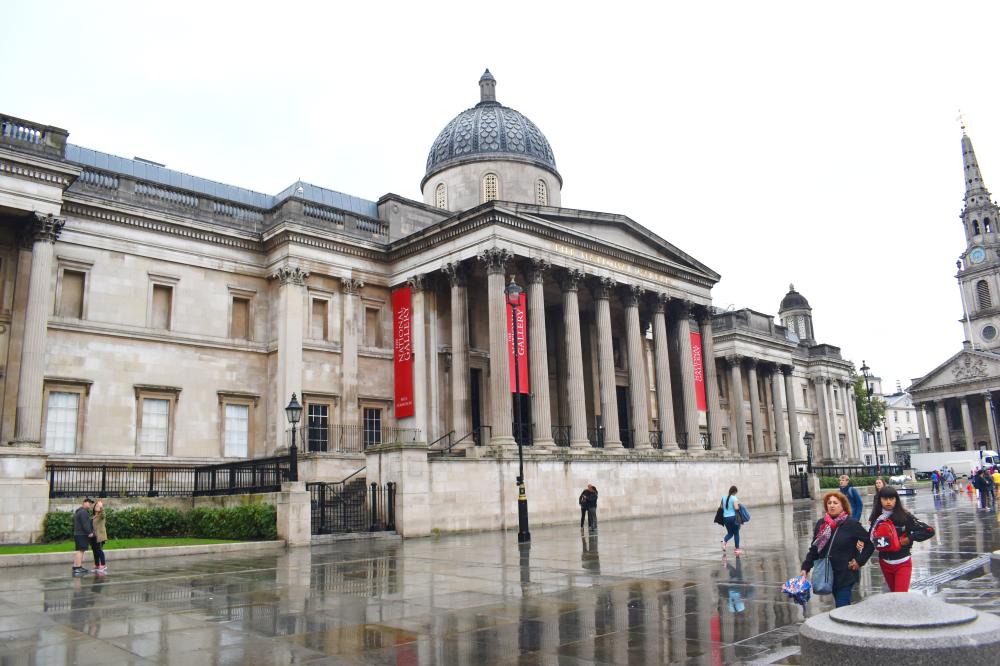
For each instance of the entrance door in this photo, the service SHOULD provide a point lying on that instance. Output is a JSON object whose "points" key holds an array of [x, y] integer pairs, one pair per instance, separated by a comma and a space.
{"points": [[624, 425], [475, 379]]}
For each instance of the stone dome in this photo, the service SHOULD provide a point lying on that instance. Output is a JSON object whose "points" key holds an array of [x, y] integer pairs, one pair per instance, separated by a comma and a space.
{"points": [[490, 131], [793, 300]]}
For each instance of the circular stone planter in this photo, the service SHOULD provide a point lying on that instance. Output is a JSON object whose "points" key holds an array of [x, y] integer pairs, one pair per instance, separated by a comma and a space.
{"points": [[901, 627]]}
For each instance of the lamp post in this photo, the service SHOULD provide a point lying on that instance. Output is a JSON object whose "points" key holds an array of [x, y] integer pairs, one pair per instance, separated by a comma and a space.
{"points": [[866, 373], [807, 439], [514, 292], [294, 412]]}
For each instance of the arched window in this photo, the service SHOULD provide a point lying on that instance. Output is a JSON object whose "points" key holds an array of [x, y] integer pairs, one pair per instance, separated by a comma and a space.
{"points": [[541, 193], [441, 196], [983, 295], [987, 227], [975, 227], [491, 187]]}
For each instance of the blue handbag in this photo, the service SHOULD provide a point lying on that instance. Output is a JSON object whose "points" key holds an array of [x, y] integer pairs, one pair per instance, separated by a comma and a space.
{"points": [[822, 573], [744, 514]]}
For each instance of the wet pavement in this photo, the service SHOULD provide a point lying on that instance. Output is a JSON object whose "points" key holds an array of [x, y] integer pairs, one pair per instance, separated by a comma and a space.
{"points": [[638, 592]]}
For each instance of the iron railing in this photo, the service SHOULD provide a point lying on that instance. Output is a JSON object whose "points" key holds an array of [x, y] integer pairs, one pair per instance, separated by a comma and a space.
{"points": [[347, 438], [352, 505], [260, 475], [656, 439], [800, 485], [682, 440], [596, 437], [560, 435], [857, 470]]}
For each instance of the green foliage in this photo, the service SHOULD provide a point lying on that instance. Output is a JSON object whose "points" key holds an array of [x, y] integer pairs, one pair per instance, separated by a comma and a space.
{"points": [[245, 522], [868, 418], [832, 482]]}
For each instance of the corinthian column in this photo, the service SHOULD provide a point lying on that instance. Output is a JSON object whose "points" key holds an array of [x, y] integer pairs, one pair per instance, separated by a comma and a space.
{"points": [[460, 415], [970, 440], [291, 304], [538, 356], [43, 234], [736, 405], [918, 413], [711, 381], [664, 390], [798, 448], [932, 430], [781, 440], [606, 364], [944, 436], [637, 383], [683, 327], [574, 362], [823, 413], [988, 406], [501, 404], [758, 427]]}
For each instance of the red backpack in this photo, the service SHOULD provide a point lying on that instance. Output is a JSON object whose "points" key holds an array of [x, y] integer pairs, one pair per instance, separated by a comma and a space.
{"points": [[885, 538]]}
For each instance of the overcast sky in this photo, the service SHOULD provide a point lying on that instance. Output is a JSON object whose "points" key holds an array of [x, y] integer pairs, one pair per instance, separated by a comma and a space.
{"points": [[813, 143]]}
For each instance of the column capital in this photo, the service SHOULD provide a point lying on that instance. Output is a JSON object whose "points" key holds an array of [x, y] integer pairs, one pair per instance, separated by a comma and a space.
{"points": [[417, 283], [456, 272], [539, 267], [681, 308], [751, 361], [571, 279], [603, 288], [786, 369], [733, 359], [289, 274], [351, 286], [495, 259], [703, 313], [633, 295], [660, 303], [44, 228]]}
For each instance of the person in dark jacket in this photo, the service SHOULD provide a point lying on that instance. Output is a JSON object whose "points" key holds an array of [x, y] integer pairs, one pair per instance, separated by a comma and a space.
{"points": [[83, 531], [853, 497], [588, 507], [896, 563], [842, 539]]}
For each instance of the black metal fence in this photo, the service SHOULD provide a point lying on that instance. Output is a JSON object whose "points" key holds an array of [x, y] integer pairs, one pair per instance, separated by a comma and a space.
{"points": [[352, 506], [260, 475], [560, 435], [347, 438], [800, 485], [857, 470]]}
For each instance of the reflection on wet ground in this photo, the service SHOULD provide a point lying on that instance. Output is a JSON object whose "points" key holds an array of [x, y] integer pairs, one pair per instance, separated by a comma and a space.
{"points": [[638, 592]]}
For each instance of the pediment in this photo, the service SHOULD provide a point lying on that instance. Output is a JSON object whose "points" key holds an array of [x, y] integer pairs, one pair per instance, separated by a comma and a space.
{"points": [[965, 367]]}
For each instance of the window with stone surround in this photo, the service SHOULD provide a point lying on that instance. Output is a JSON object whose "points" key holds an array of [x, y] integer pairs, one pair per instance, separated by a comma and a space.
{"points": [[160, 310], [491, 187], [373, 326], [441, 196], [236, 420], [319, 317], [71, 288], [319, 411], [241, 313], [372, 425], [64, 403], [155, 412], [983, 296], [541, 193]]}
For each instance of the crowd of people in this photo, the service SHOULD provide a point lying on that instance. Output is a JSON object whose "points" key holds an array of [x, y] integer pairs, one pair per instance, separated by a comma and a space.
{"points": [[89, 532], [983, 481]]}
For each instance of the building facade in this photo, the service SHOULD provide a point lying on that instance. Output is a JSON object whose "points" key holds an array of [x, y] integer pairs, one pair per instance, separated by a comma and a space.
{"points": [[153, 315], [959, 397]]}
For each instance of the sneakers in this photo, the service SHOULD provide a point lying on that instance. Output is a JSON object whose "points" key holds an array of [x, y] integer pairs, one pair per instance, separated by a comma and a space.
{"points": [[724, 544], [101, 569], [79, 571], [739, 551]]}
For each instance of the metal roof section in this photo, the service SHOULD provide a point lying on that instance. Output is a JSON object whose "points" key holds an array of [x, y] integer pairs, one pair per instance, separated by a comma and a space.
{"points": [[145, 170]]}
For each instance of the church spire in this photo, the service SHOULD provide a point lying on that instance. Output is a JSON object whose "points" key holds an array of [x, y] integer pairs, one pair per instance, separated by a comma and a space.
{"points": [[974, 186]]}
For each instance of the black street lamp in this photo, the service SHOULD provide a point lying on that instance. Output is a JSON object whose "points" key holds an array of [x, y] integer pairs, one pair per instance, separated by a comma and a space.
{"points": [[514, 292], [866, 373], [807, 439], [294, 412]]}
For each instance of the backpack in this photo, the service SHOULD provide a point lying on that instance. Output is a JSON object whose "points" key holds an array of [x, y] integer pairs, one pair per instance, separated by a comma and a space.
{"points": [[583, 498], [920, 531], [885, 538]]}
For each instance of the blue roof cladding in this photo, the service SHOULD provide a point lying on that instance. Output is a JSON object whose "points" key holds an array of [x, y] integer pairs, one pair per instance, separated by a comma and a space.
{"points": [[157, 174]]}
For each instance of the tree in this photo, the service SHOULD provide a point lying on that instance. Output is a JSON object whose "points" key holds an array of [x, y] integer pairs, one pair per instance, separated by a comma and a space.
{"points": [[868, 420]]}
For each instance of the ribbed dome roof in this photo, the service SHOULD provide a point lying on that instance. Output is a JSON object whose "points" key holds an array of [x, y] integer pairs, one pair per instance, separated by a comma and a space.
{"points": [[793, 300], [490, 130]]}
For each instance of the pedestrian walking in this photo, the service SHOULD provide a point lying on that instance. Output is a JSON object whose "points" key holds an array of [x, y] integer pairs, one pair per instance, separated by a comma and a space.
{"points": [[893, 532], [83, 530], [987, 489], [879, 485], [844, 541], [935, 481], [853, 496], [731, 520], [588, 507], [949, 478], [100, 537]]}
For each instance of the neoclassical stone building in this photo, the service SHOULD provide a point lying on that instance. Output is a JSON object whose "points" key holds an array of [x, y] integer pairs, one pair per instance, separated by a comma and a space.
{"points": [[148, 314], [959, 397]]}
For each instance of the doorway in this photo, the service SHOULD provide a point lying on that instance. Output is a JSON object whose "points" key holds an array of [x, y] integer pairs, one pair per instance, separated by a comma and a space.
{"points": [[624, 425], [475, 382]]}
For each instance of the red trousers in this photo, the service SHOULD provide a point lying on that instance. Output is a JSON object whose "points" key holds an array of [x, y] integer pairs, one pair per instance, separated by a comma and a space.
{"points": [[897, 576]]}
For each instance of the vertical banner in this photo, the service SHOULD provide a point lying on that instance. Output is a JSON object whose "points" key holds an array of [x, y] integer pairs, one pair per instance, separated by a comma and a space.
{"points": [[699, 371], [522, 342], [402, 351]]}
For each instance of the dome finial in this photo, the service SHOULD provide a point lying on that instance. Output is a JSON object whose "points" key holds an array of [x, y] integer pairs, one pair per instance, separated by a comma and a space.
{"points": [[791, 287], [487, 87]]}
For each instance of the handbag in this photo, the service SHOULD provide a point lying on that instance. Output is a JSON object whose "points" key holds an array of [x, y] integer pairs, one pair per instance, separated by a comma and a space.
{"points": [[822, 579], [718, 515]]}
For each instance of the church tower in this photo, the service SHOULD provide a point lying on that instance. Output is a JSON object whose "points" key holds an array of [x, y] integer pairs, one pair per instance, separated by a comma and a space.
{"points": [[979, 268]]}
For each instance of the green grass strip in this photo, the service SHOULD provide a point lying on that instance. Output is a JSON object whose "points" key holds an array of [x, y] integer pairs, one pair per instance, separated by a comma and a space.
{"points": [[114, 544]]}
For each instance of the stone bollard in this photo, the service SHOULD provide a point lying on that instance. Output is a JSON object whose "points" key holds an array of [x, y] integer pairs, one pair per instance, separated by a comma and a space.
{"points": [[900, 628], [995, 563], [294, 514]]}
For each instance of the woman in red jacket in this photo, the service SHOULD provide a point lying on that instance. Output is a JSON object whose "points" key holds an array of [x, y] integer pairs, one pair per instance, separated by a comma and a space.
{"points": [[893, 531]]}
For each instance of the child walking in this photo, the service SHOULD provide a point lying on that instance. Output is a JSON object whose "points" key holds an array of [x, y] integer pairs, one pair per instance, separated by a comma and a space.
{"points": [[893, 531], [100, 538]]}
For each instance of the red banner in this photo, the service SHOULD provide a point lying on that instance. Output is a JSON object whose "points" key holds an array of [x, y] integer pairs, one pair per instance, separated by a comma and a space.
{"points": [[699, 371], [402, 351], [522, 343]]}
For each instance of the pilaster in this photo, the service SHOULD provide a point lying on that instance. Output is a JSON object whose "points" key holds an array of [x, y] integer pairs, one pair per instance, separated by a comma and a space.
{"points": [[291, 282], [349, 356]]}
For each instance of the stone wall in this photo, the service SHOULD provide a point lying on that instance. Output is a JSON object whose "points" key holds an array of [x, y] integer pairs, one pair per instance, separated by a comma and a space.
{"points": [[179, 503], [467, 494], [24, 494]]}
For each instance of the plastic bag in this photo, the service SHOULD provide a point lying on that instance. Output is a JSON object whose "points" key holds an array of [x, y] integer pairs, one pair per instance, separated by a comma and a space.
{"points": [[798, 588]]}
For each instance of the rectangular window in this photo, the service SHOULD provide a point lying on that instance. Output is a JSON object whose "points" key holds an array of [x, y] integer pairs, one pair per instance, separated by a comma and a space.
{"points": [[320, 319], [154, 429], [318, 427], [836, 399], [71, 294], [907, 417], [237, 431], [373, 327], [61, 421], [372, 426], [805, 397], [239, 322], [160, 314], [868, 460], [895, 416]]}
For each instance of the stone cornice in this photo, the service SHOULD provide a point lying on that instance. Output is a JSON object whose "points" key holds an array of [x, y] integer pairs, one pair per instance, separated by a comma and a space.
{"points": [[282, 235], [38, 168], [155, 335]]}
